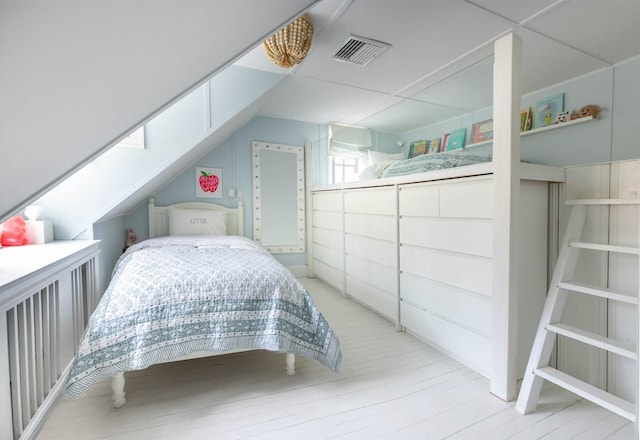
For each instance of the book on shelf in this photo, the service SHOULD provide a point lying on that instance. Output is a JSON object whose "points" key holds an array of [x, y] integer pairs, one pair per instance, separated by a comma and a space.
{"points": [[547, 109], [526, 117], [433, 145], [481, 131], [455, 139], [417, 148]]}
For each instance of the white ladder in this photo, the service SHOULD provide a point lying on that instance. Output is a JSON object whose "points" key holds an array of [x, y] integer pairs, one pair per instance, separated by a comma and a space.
{"points": [[538, 368]]}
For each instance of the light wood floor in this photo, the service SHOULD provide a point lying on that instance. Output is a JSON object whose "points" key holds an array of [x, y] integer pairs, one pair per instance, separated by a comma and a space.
{"points": [[391, 386]]}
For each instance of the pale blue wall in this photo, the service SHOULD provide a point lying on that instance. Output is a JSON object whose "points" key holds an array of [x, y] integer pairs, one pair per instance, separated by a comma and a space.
{"points": [[233, 156], [612, 137]]}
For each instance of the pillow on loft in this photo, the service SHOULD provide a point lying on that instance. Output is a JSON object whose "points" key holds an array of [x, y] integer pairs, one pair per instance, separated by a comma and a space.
{"points": [[183, 221], [378, 157]]}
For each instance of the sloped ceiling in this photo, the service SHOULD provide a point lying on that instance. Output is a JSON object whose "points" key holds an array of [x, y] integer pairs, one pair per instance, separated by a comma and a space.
{"points": [[76, 75], [434, 44]]}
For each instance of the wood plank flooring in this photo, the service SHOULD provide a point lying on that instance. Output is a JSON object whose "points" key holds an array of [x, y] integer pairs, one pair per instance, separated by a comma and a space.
{"points": [[391, 386]]}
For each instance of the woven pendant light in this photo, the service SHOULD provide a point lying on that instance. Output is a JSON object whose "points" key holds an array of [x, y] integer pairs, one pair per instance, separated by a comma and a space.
{"points": [[290, 45]]}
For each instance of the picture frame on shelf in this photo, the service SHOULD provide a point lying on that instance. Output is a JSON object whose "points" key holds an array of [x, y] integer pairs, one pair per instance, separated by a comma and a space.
{"points": [[417, 148], [455, 139], [547, 109], [481, 131], [525, 119], [433, 146], [443, 145]]}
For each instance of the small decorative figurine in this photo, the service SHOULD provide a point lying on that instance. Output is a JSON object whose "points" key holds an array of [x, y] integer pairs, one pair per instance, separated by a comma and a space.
{"points": [[588, 110], [131, 239]]}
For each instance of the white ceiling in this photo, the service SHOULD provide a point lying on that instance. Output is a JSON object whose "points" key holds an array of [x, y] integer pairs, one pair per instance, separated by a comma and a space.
{"points": [[441, 50]]}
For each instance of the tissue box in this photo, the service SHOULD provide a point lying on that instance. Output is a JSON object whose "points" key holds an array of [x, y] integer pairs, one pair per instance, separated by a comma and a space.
{"points": [[38, 231]]}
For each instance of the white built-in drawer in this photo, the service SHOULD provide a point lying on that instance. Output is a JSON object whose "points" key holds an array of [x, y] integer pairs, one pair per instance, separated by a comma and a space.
{"points": [[371, 201], [458, 270], [328, 238], [376, 226], [469, 199], [474, 237], [379, 300], [327, 201], [328, 220], [379, 275], [328, 256], [462, 307], [419, 200], [379, 251], [329, 274], [470, 348]]}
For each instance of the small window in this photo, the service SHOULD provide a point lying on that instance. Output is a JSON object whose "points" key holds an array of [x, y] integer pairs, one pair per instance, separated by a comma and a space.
{"points": [[344, 169]]}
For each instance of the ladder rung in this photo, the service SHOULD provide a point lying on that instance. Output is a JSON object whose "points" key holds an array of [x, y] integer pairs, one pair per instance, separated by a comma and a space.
{"points": [[629, 201], [594, 394], [605, 247], [598, 291], [593, 339]]}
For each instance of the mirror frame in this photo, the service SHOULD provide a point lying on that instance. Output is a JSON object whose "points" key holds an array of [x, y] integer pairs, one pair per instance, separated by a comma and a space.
{"points": [[297, 245]]}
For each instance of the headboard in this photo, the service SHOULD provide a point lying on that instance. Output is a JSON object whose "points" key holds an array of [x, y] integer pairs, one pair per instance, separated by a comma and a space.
{"points": [[159, 218]]}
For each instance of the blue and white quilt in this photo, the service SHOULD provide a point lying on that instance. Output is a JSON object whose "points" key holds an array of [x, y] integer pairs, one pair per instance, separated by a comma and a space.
{"points": [[173, 296]]}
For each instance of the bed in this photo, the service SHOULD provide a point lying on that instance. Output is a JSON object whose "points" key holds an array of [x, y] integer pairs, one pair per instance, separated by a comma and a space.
{"points": [[390, 165], [197, 288]]}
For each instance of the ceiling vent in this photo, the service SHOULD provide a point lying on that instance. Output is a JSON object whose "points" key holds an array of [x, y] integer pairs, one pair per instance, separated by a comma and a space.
{"points": [[360, 51]]}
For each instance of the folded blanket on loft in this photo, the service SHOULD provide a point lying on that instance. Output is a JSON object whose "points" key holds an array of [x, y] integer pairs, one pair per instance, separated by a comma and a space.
{"points": [[173, 296], [430, 162]]}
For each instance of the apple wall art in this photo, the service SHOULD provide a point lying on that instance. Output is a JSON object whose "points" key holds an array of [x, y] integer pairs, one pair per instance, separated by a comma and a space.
{"points": [[209, 182]]}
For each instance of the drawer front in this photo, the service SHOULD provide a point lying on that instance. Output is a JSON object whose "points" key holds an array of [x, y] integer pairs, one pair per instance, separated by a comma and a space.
{"points": [[378, 275], [329, 274], [419, 201], [473, 237], [328, 238], [378, 251], [376, 299], [470, 348], [370, 201], [472, 199], [464, 308], [328, 256], [328, 220], [327, 201], [463, 271], [382, 227]]}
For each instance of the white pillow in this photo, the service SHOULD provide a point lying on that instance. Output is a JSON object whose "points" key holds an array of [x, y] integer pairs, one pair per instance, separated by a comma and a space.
{"points": [[378, 157], [197, 222]]}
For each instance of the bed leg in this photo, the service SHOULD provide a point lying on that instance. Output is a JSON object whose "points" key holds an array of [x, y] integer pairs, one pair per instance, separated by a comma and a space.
{"points": [[117, 386], [291, 364]]}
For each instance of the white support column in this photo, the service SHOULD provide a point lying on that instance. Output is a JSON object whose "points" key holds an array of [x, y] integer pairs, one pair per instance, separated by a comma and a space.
{"points": [[506, 162]]}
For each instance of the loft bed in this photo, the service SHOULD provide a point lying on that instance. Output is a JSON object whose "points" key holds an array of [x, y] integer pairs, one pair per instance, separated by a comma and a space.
{"points": [[423, 230], [197, 288]]}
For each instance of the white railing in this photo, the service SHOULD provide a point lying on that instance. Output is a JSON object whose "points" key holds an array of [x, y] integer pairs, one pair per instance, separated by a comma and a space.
{"points": [[47, 293]]}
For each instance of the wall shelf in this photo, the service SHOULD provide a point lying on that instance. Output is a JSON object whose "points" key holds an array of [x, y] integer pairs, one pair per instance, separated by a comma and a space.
{"points": [[539, 130]]}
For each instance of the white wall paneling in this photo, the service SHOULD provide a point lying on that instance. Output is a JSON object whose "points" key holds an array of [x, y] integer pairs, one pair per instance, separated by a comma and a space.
{"points": [[616, 224]]}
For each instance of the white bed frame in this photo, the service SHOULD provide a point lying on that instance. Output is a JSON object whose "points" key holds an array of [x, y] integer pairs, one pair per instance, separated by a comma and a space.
{"points": [[159, 227]]}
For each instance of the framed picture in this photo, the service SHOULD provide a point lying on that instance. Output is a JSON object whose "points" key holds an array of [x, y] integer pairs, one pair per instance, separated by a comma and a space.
{"points": [[547, 109], [417, 148], [433, 146], [455, 139], [481, 131], [209, 182]]}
